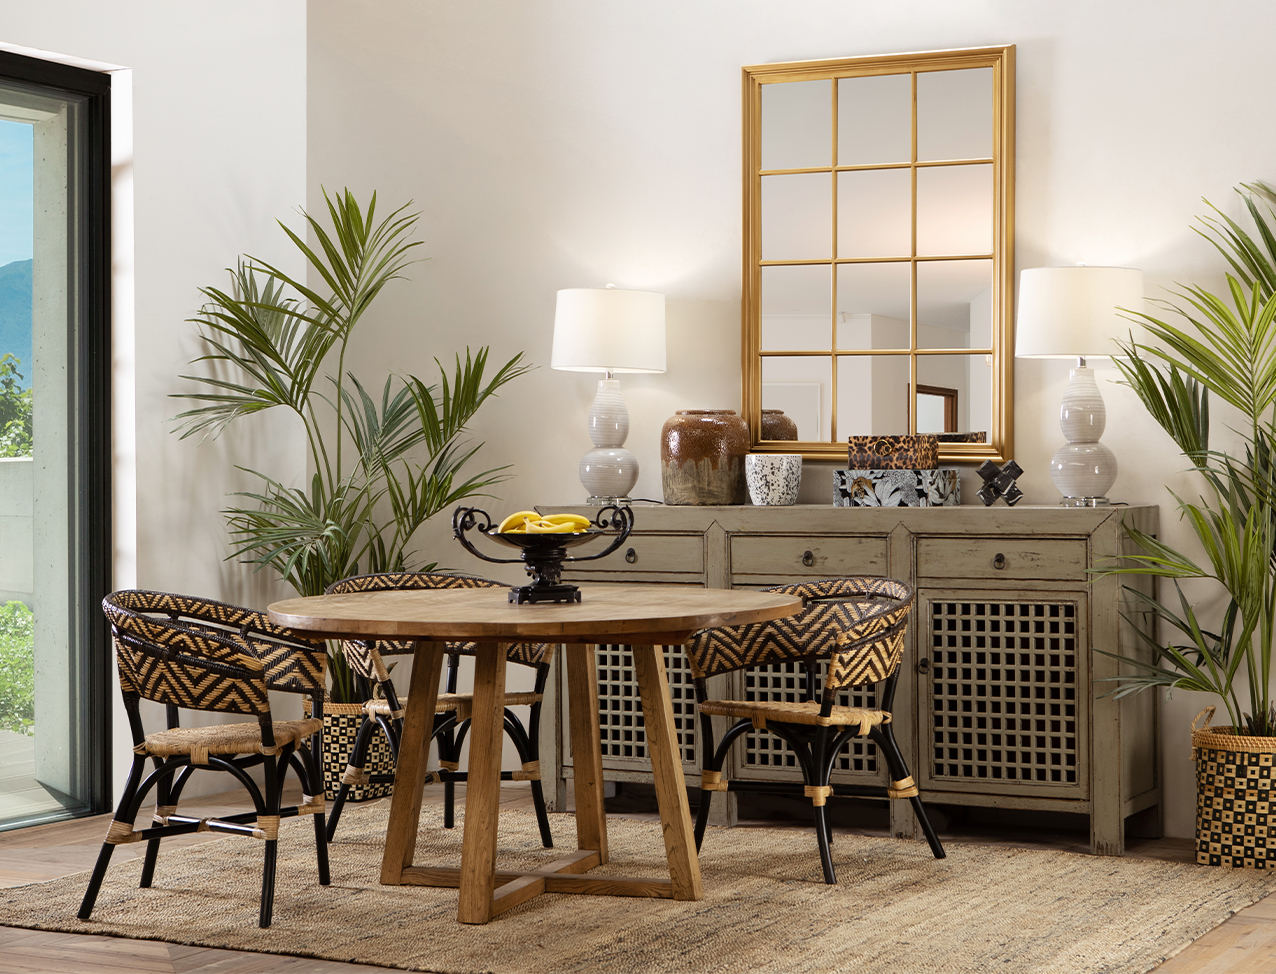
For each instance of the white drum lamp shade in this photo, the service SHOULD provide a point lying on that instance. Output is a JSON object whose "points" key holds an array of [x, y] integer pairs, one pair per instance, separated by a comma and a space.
{"points": [[1072, 312], [609, 330]]}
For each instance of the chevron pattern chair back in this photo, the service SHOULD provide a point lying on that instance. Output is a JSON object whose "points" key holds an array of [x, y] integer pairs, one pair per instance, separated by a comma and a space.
{"points": [[206, 655], [858, 623]]}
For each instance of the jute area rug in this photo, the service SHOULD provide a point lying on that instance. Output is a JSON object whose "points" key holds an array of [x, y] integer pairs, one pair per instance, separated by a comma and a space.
{"points": [[896, 909]]}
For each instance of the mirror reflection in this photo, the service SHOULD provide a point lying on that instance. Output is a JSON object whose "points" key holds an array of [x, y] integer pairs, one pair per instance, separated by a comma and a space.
{"points": [[796, 299], [954, 114], [872, 394], [954, 210], [872, 305], [874, 213], [797, 125], [954, 304], [961, 384], [797, 216], [874, 119], [802, 387]]}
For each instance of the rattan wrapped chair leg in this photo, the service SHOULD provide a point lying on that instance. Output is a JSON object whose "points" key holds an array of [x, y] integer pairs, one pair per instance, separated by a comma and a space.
{"points": [[856, 628], [384, 708], [196, 654]]}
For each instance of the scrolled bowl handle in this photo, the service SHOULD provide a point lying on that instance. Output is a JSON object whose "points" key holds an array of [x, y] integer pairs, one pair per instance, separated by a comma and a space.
{"points": [[475, 519], [621, 518]]}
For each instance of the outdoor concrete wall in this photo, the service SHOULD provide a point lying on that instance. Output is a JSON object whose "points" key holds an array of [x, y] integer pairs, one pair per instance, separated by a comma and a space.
{"points": [[15, 529]]}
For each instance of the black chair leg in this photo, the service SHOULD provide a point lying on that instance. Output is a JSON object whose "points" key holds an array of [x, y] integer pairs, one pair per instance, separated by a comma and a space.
{"points": [[304, 764], [542, 815], [272, 845], [447, 754], [359, 760], [884, 737], [104, 857], [526, 753], [162, 799], [822, 832]]}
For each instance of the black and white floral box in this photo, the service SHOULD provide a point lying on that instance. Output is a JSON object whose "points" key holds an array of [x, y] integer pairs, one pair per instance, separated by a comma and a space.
{"points": [[896, 488]]}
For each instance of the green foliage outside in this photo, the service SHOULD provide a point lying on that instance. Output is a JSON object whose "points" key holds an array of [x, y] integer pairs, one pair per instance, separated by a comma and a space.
{"points": [[15, 410], [386, 457], [17, 668], [1222, 346]]}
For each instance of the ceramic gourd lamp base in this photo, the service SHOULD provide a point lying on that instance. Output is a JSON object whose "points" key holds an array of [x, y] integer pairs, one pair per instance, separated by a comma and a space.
{"points": [[702, 455], [608, 471], [1083, 468]]}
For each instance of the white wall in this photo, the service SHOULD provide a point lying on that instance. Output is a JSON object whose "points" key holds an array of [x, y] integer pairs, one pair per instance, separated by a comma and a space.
{"points": [[219, 152], [569, 144]]}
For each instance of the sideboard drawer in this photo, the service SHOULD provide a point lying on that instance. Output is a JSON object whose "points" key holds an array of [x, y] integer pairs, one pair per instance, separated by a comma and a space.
{"points": [[822, 556], [662, 553], [1017, 558]]}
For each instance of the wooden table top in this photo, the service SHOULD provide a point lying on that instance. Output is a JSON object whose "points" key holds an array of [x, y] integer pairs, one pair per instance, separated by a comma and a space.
{"points": [[649, 611]]}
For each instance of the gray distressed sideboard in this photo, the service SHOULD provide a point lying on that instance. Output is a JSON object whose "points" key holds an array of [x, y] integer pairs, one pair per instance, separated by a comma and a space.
{"points": [[1002, 699]]}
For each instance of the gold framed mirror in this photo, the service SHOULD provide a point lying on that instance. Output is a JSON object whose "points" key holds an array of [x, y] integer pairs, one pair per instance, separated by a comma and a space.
{"points": [[879, 250]]}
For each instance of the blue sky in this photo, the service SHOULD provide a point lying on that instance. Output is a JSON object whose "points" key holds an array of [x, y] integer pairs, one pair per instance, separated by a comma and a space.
{"points": [[16, 156]]}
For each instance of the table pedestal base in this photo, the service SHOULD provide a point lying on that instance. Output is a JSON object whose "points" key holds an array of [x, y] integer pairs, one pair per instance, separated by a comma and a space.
{"points": [[485, 890], [560, 876]]}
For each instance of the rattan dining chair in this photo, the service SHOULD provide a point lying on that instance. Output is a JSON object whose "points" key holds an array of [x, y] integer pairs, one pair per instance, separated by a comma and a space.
{"points": [[196, 654], [855, 628], [383, 708]]}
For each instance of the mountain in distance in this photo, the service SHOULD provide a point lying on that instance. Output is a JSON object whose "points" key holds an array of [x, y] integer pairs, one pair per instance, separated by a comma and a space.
{"points": [[15, 314]]}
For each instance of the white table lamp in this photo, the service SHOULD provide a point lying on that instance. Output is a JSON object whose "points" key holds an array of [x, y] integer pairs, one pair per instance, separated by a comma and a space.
{"points": [[609, 330], [1071, 312]]}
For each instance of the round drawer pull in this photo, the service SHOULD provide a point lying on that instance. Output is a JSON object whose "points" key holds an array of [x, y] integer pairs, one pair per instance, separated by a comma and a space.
{"points": [[631, 556], [808, 559], [999, 561], [923, 666]]}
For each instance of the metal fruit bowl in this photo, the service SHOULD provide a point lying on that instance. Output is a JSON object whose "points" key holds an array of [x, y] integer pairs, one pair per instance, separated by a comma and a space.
{"points": [[544, 554], [543, 542]]}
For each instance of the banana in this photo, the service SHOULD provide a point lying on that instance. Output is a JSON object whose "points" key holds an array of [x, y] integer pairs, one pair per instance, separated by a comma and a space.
{"points": [[579, 523], [531, 522], [545, 527], [515, 522]]}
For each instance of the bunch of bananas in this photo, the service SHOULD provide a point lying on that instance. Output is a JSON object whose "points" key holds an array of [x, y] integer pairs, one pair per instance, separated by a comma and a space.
{"points": [[532, 522]]}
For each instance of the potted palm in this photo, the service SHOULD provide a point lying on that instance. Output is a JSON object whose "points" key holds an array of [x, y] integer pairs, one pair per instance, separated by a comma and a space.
{"points": [[1226, 351], [384, 462]]}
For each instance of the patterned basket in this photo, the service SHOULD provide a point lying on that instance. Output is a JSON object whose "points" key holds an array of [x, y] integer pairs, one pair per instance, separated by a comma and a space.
{"points": [[1233, 797], [340, 727]]}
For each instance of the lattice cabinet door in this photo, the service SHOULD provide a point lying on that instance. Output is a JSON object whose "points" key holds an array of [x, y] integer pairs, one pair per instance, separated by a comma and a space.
{"points": [[620, 721], [1003, 692], [760, 755]]}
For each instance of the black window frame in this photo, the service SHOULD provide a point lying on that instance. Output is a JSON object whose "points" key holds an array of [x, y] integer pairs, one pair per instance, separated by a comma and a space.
{"points": [[90, 387]]}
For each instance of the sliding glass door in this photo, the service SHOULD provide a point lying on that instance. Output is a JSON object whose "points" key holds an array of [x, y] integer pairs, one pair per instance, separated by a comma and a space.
{"points": [[55, 659]]}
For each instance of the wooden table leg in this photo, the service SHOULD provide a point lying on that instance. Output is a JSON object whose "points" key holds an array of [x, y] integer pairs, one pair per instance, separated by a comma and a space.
{"points": [[587, 759], [409, 774], [483, 786], [666, 768]]}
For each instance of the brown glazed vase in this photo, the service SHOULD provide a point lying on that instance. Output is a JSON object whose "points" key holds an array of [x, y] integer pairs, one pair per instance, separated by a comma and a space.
{"points": [[702, 455], [777, 426]]}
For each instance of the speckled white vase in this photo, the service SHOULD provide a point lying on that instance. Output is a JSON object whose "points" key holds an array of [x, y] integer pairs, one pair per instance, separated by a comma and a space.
{"points": [[773, 478]]}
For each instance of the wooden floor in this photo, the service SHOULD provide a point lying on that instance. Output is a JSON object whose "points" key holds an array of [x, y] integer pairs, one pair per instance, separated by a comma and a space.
{"points": [[1245, 944]]}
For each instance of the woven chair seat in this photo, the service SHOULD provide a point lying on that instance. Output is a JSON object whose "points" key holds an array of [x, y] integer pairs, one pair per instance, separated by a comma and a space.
{"points": [[198, 742], [760, 711]]}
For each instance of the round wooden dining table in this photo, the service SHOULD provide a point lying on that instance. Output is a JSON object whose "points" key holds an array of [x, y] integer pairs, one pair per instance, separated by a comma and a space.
{"points": [[646, 617]]}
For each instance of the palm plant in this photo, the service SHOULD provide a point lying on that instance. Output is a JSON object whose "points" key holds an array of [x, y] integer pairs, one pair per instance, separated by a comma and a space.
{"points": [[1230, 353], [382, 465]]}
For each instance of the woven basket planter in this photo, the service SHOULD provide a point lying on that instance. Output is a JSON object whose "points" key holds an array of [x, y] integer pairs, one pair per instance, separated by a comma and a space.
{"points": [[1235, 818], [340, 726]]}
